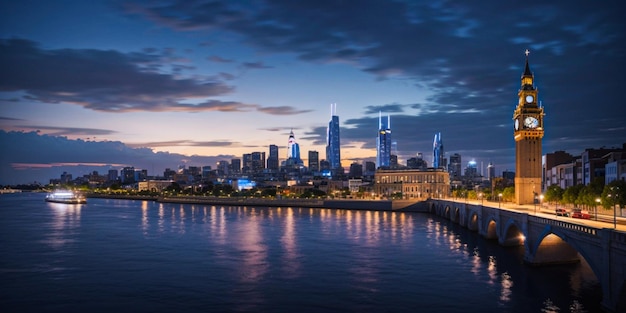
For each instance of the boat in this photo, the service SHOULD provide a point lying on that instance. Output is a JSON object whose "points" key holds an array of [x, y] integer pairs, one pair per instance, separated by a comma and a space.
{"points": [[65, 196]]}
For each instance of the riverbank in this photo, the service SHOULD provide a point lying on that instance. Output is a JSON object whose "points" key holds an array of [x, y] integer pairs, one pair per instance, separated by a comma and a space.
{"points": [[348, 204]]}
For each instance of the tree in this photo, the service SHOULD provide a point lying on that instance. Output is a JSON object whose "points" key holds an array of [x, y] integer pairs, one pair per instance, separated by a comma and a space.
{"points": [[508, 194], [614, 194], [570, 195], [554, 194]]}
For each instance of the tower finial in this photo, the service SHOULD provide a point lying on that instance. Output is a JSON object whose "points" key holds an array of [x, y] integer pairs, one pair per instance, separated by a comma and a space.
{"points": [[527, 52]]}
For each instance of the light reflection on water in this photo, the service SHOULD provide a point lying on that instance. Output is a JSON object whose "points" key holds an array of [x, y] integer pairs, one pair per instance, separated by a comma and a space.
{"points": [[279, 259]]}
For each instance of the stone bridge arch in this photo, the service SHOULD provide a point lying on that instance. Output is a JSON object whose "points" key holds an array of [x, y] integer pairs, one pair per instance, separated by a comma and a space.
{"points": [[555, 242], [491, 228], [473, 221], [513, 234]]}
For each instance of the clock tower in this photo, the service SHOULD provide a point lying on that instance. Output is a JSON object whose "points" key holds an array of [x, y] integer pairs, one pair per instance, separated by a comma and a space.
{"points": [[528, 132]]}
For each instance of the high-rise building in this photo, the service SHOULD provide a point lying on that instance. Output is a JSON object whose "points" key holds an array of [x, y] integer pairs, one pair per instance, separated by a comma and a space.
{"points": [[128, 175], [528, 133], [223, 167], [417, 162], [314, 161], [491, 171], [471, 171], [333, 150], [356, 170], [455, 167], [293, 148], [235, 166], [272, 160], [258, 161], [112, 175], [383, 142], [438, 155]]}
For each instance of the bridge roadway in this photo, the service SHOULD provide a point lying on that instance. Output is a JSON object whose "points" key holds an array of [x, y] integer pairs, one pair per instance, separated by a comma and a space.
{"points": [[549, 239]]}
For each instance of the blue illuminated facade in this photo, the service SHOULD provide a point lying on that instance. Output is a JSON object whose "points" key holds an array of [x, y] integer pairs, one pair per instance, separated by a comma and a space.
{"points": [[383, 142], [438, 157], [333, 151]]}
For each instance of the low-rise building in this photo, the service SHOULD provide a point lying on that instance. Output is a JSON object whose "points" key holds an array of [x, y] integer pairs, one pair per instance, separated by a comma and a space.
{"points": [[412, 183]]}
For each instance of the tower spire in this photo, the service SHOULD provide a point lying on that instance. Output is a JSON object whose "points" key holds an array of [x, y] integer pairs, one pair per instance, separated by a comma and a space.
{"points": [[527, 71]]}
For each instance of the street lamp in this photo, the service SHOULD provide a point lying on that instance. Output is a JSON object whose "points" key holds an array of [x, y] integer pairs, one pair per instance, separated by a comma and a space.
{"points": [[614, 193], [499, 199], [597, 203]]}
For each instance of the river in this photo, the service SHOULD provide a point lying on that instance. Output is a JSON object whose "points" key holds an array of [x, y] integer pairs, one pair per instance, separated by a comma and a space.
{"points": [[142, 256]]}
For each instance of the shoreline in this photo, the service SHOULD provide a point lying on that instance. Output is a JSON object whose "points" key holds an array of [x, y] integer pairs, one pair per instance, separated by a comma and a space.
{"points": [[347, 204]]}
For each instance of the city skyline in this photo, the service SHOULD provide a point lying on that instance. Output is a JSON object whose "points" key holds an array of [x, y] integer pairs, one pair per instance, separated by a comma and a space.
{"points": [[156, 86]]}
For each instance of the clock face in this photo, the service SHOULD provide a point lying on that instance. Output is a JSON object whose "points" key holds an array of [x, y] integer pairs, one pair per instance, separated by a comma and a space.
{"points": [[516, 124], [529, 99], [531, 122]]}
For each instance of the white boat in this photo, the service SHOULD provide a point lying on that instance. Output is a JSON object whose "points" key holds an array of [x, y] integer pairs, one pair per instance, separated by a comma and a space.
{"points": [[65, 196]]}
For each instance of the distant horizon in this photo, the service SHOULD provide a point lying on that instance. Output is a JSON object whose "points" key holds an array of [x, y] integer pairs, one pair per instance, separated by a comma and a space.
{"points": [[86, 168]]}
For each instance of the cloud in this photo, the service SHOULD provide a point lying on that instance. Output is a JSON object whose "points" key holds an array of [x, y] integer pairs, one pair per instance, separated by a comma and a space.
{"points": [[282, 110], [255, 65], [187, 143], [100, 80], [36, 157], [385, 108], [66, 131], [218, 59]]}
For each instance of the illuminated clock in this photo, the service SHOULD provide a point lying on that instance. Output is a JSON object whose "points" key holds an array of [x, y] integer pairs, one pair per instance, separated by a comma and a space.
{"points": [[529, 99], [531, 122], [516, 124]]}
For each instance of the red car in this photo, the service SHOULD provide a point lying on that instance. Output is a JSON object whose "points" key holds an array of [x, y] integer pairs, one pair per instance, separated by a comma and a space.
{"points": [[578, 213], [562, 212]]}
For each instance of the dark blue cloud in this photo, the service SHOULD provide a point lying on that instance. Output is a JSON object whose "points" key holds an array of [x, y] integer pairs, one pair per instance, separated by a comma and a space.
{"points": [[46, 157]]}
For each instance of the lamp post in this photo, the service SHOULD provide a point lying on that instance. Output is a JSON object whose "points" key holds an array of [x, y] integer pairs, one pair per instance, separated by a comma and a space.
{"points": [[499, 200], [596, 210], [540, 203], [481, 199], [614, 193]]}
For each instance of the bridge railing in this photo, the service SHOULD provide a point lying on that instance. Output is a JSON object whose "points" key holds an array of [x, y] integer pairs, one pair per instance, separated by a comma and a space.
{"points": [[563, 224]]}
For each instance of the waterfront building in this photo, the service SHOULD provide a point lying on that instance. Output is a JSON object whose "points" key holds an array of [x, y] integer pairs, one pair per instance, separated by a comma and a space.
{"points": [[438, 154], [412, 183], [154, 185], [314, 161], [333, 148], [528, 134], [383, 142]]}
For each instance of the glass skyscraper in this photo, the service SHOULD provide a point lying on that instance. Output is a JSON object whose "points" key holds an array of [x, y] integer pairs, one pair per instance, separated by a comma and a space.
{"points": [[383, 142], [438, 151], [333, 151]]}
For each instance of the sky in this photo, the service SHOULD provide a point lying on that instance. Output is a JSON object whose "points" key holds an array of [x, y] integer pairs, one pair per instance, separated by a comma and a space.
{"points": [[98, 85]]}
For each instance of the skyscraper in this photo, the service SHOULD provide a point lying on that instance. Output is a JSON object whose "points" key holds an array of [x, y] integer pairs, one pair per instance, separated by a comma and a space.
{"points": [[293, 148], [383, 142], [314, 161], [438, 159], [455, 167], [333, 151], [272, 160]]}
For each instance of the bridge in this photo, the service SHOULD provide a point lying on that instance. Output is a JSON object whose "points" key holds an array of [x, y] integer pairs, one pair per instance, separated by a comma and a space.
{"points": [[548, 241]]}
